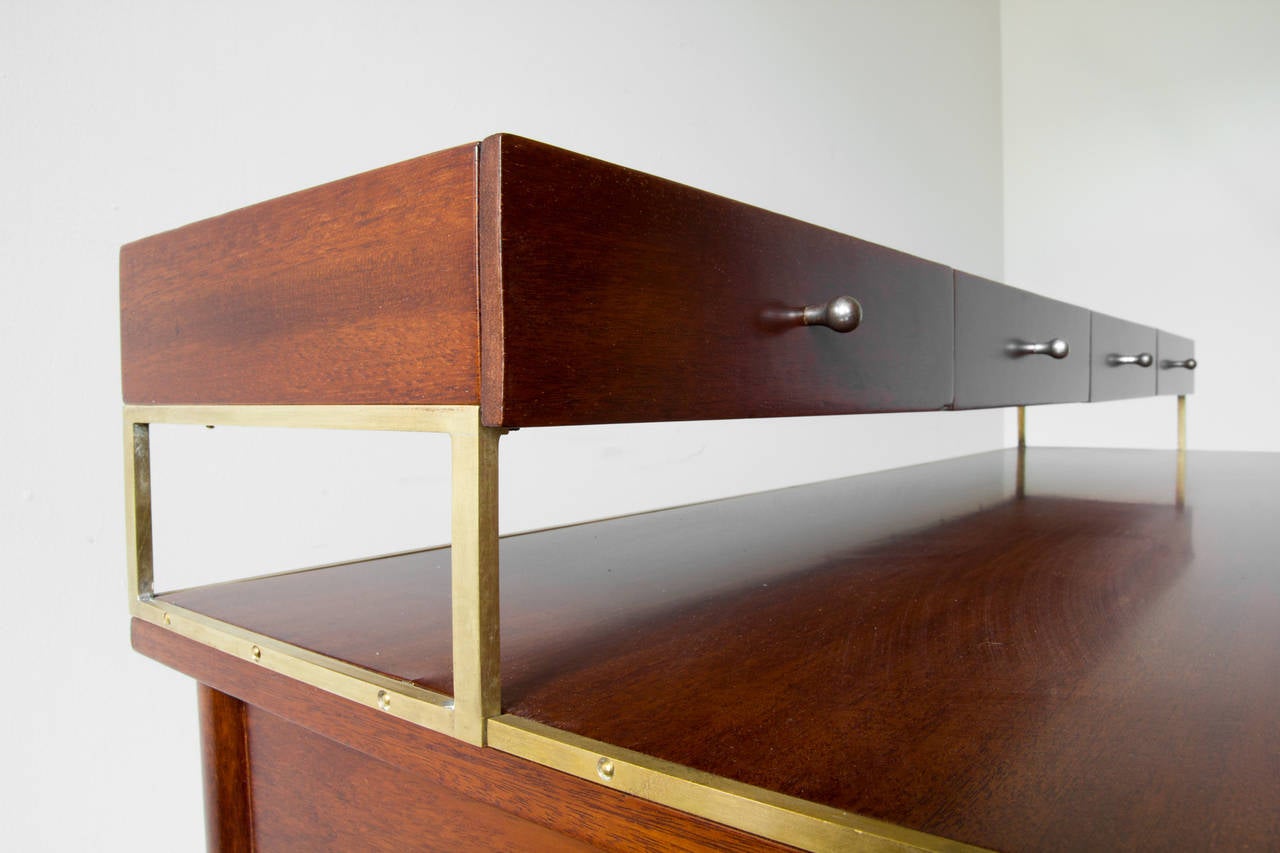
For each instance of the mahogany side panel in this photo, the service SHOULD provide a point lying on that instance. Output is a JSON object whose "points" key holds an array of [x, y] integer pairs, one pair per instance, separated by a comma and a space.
{"points": [[359, 291], [582, 811], [224, 751], [311, 793], [615, 296]]}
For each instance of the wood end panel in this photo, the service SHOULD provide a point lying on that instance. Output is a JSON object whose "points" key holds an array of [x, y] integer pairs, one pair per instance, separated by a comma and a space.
{"points": [[360, 291]]}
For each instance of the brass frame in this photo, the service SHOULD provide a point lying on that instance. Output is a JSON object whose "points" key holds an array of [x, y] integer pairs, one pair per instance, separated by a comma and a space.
{"points": [[473, 714], [474, 568]]}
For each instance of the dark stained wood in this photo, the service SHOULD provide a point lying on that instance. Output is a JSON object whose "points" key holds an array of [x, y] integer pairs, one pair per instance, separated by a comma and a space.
{"points": [[580, 811], [625, 297], [224, 751], [1174, 380], [989, 318], [1112, 337], [1054, 672], [359, 291], [312, 793]]}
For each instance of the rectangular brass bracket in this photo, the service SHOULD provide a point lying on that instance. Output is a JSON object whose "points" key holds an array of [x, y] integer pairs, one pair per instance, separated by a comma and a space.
{"points": [[474, 585]]}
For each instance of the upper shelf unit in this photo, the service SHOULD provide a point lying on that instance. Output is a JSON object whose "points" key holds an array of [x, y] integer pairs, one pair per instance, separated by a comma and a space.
{"points": [[551, 288]]}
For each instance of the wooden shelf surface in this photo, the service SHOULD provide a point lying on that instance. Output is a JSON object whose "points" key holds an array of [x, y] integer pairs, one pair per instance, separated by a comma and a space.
{"points": [[1087, 666]]}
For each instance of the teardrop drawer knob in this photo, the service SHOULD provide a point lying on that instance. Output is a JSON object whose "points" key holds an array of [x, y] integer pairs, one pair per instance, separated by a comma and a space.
{"points": [[1055, 348], [1142, 359], [842, 314]]}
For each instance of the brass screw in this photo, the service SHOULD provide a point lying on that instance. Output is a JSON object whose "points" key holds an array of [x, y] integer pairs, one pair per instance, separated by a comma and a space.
{"points": [[256, 652], [604, 769], [167, 620], [384, 700]]}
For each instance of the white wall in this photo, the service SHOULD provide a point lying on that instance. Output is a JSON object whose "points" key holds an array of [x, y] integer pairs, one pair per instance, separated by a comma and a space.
{"points": [[1142, 178], [120, 120]]}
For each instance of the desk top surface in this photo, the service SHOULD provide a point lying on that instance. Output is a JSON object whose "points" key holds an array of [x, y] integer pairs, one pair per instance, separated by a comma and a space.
{"points": [[1087, 666]]}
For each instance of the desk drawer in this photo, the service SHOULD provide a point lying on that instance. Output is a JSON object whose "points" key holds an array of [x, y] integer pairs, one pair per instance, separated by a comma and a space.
{"points": [[609, 295], [1123, 360], [1175, 364], [993, 324]]}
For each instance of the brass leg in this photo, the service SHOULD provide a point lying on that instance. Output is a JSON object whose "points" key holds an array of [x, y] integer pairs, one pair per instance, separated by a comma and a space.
{"points": [[1020, 488], [137, 483], [477, 685], [1181, 487]]}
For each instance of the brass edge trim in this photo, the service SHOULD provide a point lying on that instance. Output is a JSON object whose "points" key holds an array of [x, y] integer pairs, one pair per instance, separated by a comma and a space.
{"points": [[790, 820], [402, 699], [451, 419]]}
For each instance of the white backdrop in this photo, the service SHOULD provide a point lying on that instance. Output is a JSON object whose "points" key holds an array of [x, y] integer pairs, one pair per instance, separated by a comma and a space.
{"points": [[1142, 180], [120, 120]]}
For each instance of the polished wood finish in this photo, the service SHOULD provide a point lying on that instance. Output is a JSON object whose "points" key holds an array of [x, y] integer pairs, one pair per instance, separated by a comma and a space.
{"points": [[1087, 667], [224, 753], [616, 296], [312, 793], [477, 782], [1112, 337], [991, 317], [1174, 380], [359, 291], [552, 288]]}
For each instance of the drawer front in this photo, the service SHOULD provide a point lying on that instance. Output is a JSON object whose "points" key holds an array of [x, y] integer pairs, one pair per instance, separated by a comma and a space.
{"points": [[1175, 360], [1123, 359], [993, 323], [613, 296]]}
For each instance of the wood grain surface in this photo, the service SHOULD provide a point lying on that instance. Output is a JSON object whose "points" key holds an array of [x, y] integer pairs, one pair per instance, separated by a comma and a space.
{"points": [[359, 291], [1110, 337], [612, 295], [991, 317], [1055, 672], [224, 757], [581, 812]]}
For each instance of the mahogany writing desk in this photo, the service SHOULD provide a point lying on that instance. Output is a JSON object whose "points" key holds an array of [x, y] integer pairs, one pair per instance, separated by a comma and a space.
{"points": [[1020, 650]]}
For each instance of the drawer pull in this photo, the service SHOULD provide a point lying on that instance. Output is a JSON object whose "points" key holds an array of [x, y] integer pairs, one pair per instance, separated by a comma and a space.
{"points": [[1188, 363], [1056, 348], [843, 314], [1142, 359]]}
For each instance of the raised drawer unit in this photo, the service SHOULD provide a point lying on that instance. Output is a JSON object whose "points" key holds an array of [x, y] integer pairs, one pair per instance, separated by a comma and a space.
{"points": [[1175, 364], [1123, 361], [861, 664], [1017, 348]]}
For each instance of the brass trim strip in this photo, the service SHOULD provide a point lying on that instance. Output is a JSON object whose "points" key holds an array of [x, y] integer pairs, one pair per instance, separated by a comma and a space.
{"points": [[377, 418], [394, 696], [474, 584], [790, 820]]}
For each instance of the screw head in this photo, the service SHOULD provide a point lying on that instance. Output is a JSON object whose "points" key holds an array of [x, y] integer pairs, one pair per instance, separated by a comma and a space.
{"points": [[384, 700], [604, 769], [256, 653], [167, 620]]}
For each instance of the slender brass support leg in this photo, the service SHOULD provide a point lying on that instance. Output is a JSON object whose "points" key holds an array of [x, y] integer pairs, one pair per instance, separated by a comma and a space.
{"points": [[1182, 422], [137, 479], [477, 687], [1022, 426], [1181, 488]]}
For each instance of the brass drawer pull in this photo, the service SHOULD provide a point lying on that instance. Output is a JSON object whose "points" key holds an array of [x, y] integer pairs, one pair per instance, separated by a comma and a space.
{"points": [[843, 314], [1056, 348], [1142, 359], [1188, 363]]}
